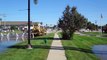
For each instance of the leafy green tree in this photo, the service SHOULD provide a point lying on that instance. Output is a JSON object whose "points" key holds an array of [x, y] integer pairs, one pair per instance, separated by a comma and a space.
{"points": [[70, 22], [91, 26], [13, 27], [105, 28]]}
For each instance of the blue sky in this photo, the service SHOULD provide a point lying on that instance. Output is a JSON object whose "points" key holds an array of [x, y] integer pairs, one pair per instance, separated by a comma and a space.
{"points": [[49, 11]]}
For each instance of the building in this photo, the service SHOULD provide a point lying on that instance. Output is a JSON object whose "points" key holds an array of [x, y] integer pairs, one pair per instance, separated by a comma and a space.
{"points": [[19, 24], [14, 23]]}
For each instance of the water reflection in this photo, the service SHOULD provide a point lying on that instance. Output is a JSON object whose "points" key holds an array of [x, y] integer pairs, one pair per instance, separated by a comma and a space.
{"points": [[1, 36], [100, 51], [5, 44], [13, 36], [9, 39]]}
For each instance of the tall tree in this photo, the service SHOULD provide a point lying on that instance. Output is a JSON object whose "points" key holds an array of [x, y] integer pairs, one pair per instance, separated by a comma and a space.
{"points": [[91, 26], [70, 22], [13, 27], [105, 28]]}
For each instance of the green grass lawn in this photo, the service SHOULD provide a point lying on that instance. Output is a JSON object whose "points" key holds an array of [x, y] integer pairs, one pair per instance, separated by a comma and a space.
{"points": [[80, 48], [93, 33], [18, 31], [20, 52], [96, 33]]}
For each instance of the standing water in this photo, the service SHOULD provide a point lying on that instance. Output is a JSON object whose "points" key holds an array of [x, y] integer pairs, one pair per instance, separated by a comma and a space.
{"points": [[10, 39], [100, 51], [5, 44]]}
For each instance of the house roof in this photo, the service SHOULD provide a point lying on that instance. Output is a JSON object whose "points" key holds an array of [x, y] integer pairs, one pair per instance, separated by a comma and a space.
{"points": [[18, 23]]}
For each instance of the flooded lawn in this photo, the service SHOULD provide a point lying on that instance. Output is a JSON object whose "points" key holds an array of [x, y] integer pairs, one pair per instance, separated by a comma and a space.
{"points": [[9, 39], [100, 51], [5, 44]]}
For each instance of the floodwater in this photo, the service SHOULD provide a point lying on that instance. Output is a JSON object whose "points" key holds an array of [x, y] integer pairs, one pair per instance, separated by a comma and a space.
{"points": [[5, 44], [7, 40], [100, 51]]}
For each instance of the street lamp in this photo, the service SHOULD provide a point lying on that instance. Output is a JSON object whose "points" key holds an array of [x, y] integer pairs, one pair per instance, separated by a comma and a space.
{"points": [[29, 23], [29, 43]]}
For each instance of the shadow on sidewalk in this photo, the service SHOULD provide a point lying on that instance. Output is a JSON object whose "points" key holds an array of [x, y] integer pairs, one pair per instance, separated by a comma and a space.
{"points": [[53, 48]]}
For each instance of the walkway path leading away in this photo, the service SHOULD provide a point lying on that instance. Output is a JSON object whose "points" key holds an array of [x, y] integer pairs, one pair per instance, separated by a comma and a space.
{"points": [[57, 51]]}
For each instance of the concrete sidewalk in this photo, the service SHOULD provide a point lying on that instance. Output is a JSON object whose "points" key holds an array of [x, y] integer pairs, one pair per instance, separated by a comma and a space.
{"points": [[56, 52]]}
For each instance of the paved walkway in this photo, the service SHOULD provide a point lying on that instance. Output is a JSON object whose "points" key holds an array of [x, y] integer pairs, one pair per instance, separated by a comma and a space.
{"points": [[56, 52]]}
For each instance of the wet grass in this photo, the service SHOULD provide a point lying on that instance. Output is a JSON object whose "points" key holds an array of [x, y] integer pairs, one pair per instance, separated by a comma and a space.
{"points": [[20, 52]]}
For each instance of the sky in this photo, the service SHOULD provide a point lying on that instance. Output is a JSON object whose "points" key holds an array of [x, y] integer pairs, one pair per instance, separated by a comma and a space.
{"points": [[49, 11]]}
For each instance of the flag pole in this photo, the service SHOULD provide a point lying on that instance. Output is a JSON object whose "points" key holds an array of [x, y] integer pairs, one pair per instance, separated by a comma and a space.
{"points": [[96, 24], [101, 25]]}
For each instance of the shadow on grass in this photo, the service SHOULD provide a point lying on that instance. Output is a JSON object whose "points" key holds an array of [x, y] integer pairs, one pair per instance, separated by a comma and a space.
{"points": [[47, 38], [53, 48]]}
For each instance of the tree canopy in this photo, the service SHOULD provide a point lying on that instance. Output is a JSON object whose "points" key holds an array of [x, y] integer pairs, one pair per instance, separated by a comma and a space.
{"points": [[71, 21]]}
